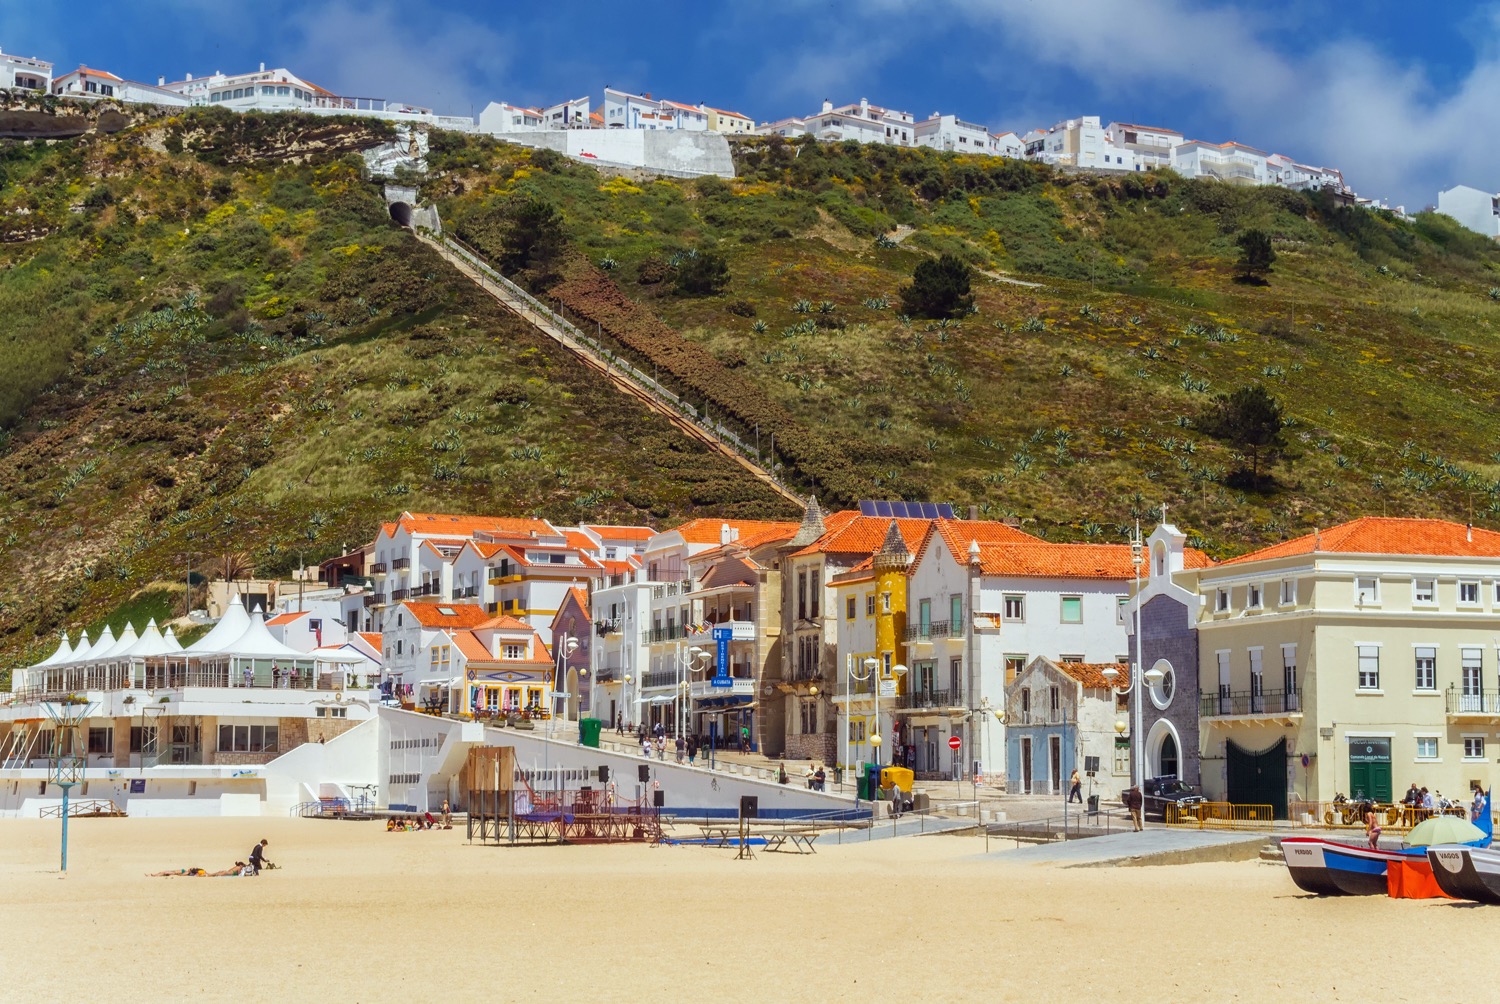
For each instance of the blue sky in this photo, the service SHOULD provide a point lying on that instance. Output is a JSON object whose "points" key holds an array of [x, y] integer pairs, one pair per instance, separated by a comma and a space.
{"points": [[1403, 97]]}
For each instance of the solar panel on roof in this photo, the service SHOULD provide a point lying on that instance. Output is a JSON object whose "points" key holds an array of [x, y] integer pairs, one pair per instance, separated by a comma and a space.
{"points": [[906, 510]]}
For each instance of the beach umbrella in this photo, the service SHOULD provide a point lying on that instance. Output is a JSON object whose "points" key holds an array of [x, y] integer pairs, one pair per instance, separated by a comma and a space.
{"points": [[1443, 830]]}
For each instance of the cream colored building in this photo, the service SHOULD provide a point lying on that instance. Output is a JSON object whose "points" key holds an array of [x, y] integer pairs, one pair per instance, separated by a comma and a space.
{"points": [[1359, 659]]}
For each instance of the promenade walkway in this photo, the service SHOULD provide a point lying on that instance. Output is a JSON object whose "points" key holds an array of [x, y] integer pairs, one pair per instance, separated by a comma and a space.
{"points": [[1156, 845]]}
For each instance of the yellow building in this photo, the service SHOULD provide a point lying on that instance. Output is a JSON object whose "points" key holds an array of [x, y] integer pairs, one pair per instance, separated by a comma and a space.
{"points": [[871, 599], [729, 123]]}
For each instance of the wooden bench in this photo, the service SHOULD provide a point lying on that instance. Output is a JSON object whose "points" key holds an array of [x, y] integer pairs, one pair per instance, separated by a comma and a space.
{"points": [[801, 840], [719, 836]]}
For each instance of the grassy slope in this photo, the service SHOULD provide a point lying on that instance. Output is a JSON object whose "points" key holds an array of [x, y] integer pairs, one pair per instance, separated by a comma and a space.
{"points": [[1072, 404], [203, 358]]}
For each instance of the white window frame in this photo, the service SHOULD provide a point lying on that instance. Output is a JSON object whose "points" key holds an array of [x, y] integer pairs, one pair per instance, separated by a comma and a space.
{"points": [[1417, 687], [1016, 600], [1469, 584], [1221, 601], [1254, 596], [1416, 593], [1473, 737], [1359, 656], [1122, 610], [1374, 600], [1288, 592], [1062, 609], [1437, 750]]}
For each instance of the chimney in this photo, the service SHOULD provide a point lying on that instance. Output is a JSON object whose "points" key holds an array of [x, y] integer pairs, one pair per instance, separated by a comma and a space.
{"points": [[161, 81], [725, 533], [973, 513], [1469, 535], [188, 77], [263, 67], [973, 552], [864, 107], [827, 105]]}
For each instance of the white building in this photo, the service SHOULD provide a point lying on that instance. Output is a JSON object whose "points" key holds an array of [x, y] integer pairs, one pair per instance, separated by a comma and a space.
{"points": [[499, 118], [1146, 147], [1007, 144], [1079, 142], [572, 114], [949, 132], [1284, 171], [789, 128], [1478, 210], [90, 83], [24, 73], [1232, 163]]}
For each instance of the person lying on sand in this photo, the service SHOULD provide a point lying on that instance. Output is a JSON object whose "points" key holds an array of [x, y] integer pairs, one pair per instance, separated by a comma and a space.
{"points": [[238, 869]]}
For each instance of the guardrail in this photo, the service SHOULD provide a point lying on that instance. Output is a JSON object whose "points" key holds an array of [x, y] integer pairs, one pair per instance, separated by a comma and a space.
{"points": [[593, 346], [85, 807], [1394, 817], [1078, 825], [1219, 816]]}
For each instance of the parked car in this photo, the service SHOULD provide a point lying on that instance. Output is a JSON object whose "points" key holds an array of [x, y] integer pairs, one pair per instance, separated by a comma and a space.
{"points": [[1159, 792]]}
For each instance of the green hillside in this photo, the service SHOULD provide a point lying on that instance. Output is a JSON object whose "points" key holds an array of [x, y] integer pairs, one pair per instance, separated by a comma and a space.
{"points": [[1110, 318], [200, 358], [212, 338]]}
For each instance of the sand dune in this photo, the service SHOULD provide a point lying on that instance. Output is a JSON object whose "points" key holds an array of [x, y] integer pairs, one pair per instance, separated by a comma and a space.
{"points": [[360, 914]]}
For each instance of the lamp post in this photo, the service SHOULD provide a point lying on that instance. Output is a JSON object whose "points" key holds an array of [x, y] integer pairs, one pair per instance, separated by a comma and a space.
{"points": [[68, 763], [684, 664], [1135, 690], [869, 665], [567, 648], [1137, 555]]}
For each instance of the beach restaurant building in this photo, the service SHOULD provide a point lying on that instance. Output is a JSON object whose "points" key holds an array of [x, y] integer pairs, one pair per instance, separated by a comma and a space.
{"points": [[169, 730]]}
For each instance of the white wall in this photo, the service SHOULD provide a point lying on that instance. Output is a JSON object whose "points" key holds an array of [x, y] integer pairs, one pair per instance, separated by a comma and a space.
{"points": [[1474, 208]]}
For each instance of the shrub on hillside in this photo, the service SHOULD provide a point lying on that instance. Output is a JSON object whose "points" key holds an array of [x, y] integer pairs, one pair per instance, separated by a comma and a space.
{"points": [[1250, 420], [702, 274], [938, 289]]}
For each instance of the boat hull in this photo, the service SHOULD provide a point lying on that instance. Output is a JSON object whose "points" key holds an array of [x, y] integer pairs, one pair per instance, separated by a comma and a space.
{"points": [[1328, 868], [1468, 873]]}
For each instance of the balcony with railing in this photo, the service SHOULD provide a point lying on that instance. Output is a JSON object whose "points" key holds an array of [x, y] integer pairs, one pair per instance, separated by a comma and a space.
{"points": [[1246, 703], [671, 632], [379, 568], [374, 600], [397, 595], [917, 699], [1043, 716], [604, 628], [1473, 703], [466, 593], [400, 564], [657, 678], [933, 630], [738, 687]]}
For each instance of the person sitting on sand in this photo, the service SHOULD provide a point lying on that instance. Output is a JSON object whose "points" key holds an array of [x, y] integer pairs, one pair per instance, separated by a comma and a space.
{"points": [[240, 868], [390, 825]]}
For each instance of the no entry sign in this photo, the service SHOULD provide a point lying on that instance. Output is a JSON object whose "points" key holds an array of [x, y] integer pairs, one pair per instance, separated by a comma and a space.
{"points": [[954, 742]]}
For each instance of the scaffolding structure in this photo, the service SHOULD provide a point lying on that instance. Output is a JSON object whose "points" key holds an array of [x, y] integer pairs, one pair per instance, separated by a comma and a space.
{"points": [[505, 809]]}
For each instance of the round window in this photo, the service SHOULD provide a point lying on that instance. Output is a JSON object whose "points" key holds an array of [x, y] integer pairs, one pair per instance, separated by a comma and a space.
{"points": [[1163, 690]]}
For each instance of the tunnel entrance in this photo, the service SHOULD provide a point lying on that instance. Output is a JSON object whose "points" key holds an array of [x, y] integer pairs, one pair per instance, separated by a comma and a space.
{"points": [[401, 213]]}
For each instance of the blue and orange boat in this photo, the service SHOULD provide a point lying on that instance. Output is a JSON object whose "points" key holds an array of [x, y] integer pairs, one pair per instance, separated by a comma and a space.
{"points": [[1331, 868]]}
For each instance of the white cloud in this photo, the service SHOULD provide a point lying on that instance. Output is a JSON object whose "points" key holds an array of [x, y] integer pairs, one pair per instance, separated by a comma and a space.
{"points": [[1342, 103], [449, 62]]}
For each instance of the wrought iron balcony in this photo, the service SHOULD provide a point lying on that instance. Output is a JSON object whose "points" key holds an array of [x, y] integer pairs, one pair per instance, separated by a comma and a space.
{"points": [[933, 629], [400, 564], [659, 678], [1473, 704], [927, 699], [1230, 703], [378, 568], [607, 627], [671, 632]]}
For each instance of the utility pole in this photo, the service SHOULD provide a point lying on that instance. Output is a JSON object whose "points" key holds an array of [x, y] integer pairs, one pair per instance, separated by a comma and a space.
{"points": [[187, 599], [301, 580]]}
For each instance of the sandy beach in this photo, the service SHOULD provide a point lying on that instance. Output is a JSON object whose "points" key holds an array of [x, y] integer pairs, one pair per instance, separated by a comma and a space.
{"points": [[356, 913]]}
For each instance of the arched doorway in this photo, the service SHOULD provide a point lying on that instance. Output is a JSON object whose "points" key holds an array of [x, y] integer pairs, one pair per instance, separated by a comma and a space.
{"points": [[1166, 756], [572, 695], [1163, 751]]}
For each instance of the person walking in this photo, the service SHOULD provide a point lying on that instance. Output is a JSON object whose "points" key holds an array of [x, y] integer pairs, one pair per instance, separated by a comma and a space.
{"points": [[258, 857], [1133, 802], [1075, 787], [661, 747], [692, 749], [1372, 828], [681, 745], [744, 739]]}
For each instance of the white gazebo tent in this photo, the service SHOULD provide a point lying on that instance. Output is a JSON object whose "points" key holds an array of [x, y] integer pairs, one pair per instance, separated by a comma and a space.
{"points": [[150, 645], [36, 676], [173, 645], [256, 659], [106, 670]]}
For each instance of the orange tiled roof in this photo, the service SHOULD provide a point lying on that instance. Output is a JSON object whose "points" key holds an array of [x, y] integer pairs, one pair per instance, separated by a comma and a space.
{"points": [[1039, 558], [622, 532], [581, 598], [472, 648], [1382, 535], [371, 638], [858, 534], [1091, 674], [285, 618], [620, 567], [505, 622], [859, 573], [85, 71], [706, 531], [447, 523], [459, 615], [957, 534]]}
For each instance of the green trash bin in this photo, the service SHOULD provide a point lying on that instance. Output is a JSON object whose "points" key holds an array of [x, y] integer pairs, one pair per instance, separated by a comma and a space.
{"points": [[861, 789], [588, 731]]}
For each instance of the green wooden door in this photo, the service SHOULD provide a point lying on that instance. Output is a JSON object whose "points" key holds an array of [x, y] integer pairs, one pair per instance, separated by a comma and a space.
{"points": [[1370, 769]]}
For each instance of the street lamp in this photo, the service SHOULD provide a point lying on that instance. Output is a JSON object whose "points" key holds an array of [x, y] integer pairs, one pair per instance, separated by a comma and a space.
{"points": [[567, 648], [869, 665], [684, 661], [1153, 676]]}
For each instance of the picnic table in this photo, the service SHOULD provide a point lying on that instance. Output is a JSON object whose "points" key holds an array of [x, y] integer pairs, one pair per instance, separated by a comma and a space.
{"points": [[801, 841], [720, 836]]}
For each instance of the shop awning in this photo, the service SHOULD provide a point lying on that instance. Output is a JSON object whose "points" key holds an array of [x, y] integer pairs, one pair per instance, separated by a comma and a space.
{"points": [[439, 681]]}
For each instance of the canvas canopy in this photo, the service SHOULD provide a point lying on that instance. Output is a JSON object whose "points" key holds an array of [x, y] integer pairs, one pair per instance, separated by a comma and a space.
{"points": [[231, 626]]}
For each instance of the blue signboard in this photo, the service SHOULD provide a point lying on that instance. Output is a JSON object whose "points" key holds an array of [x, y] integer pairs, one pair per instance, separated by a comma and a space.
{"points": [[721, 668]]}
